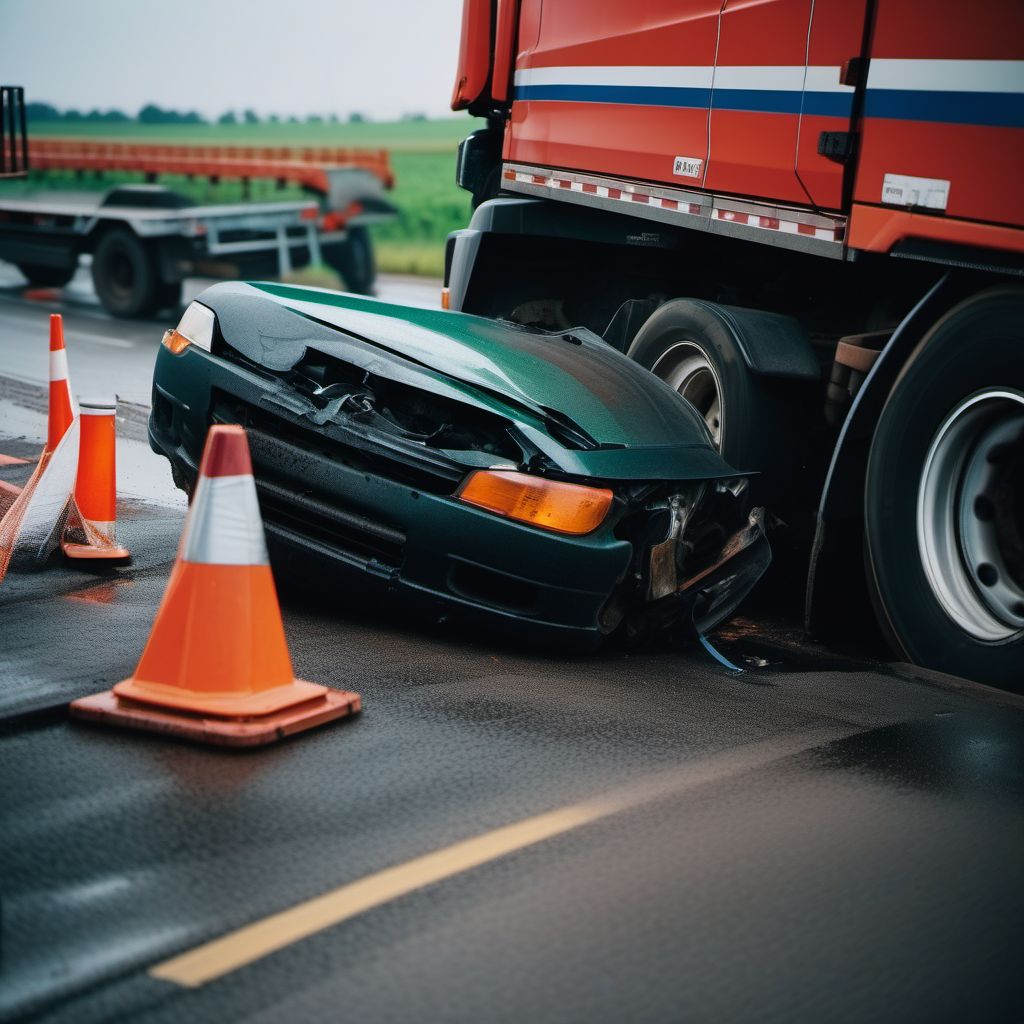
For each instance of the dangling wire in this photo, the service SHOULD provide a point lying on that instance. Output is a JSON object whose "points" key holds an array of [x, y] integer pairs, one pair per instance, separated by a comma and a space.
{"points": [[720, 658]]}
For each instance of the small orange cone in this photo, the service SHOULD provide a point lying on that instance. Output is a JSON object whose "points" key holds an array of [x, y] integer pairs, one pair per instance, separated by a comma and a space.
{"points": [[33, 524], [216, 667], [62, 404], [93, 536]]}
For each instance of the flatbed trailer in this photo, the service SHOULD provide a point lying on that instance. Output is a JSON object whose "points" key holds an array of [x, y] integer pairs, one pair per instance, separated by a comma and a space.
{"points": [[145, 238]]}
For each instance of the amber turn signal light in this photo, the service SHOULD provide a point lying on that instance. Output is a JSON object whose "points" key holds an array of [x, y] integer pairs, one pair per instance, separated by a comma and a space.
{"points": [[549, 504], [176, 342]]}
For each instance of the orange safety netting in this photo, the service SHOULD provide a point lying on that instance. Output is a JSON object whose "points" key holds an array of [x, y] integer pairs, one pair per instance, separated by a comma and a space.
{"points": [[34, 522]]}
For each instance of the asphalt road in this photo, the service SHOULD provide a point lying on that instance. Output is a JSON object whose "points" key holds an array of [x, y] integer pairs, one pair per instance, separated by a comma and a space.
{"points": [[503, 834]]}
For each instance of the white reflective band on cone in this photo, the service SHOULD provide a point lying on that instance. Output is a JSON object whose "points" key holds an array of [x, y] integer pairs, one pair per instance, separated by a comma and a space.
{"points": [[224, 525], [59, 364], [97, 410]]}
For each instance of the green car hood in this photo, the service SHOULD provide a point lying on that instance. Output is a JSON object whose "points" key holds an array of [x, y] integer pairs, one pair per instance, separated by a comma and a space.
{"points": [[627, 424]]}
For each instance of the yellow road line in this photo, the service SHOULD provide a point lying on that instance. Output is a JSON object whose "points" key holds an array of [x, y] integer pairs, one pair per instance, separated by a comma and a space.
{"points": [[253, 942]]}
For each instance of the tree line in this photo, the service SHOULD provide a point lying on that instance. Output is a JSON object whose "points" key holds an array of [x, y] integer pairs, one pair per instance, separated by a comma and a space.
{"points": [[152, 114]]}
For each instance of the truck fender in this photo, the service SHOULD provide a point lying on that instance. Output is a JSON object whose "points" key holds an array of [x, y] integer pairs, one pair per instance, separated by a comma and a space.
{"points": [[462, 247], [508, 217], [836, 600], [460, 252], [771, 344]]}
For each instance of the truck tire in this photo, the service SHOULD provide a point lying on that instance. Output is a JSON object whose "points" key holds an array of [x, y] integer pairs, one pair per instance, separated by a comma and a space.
{"points": [[353, 260], [124, 274], [944, 496], [46, 277], [752, 419]]}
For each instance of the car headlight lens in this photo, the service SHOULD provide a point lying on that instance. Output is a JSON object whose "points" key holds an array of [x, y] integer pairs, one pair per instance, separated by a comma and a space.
{"points": [[194, 328], [549, 504]]}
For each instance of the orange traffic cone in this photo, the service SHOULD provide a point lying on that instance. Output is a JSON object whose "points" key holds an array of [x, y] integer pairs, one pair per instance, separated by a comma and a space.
{"points": [[34, 523], [62, 403], [92, 537], [216, 666]]}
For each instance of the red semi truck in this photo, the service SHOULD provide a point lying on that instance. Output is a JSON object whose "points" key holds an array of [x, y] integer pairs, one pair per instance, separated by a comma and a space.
{"points": [[808, 217]]}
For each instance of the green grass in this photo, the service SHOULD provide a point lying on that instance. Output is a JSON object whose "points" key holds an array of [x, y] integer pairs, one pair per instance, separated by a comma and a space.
{"points": [[429, 202]]}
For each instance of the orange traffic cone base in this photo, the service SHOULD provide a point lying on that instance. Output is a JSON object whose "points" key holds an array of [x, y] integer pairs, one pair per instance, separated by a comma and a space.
{"points": [[216, 667], [202, 701], [111, 709], [88, 553]]}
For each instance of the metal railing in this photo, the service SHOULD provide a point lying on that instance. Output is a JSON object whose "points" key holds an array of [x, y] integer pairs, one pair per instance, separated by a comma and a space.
{"points": [[307, 166], [13, 135]]}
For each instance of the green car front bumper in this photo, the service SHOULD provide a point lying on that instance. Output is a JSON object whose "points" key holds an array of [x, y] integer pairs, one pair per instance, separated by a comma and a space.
{"points": [[323, 505]]}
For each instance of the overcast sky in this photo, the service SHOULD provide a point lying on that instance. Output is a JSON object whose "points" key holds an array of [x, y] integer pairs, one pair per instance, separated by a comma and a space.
{"points": [[380, 57]]}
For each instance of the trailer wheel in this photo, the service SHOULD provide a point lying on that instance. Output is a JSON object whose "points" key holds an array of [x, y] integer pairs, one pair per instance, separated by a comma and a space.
{"points": [[353, 260], [752, 419], [46, 277], [124, 274], [944, 497]]}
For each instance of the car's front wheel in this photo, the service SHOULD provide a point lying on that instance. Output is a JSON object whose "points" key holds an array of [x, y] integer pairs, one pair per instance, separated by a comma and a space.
{"points": [[944, 498]]}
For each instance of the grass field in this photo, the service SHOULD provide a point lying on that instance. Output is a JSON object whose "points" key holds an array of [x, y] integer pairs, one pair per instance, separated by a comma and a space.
{"points": [[422, 155]]}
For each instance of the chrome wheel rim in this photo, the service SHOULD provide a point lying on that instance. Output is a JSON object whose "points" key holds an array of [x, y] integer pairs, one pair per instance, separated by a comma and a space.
{"points": [[685, 367], [970, 515]]}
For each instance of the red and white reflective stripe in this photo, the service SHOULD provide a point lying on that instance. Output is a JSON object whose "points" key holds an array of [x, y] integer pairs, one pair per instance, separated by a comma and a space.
{"points": [[224, 525], [701, 210], [833, 233], [625, 194], [59, 375], [59, 365]]}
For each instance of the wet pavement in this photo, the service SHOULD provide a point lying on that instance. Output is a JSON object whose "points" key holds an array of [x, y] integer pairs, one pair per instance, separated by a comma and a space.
{"points": [[820, 838]]}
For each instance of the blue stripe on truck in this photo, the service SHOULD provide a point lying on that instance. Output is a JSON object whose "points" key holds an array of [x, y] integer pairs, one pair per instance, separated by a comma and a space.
{"points": [[996, 109], [982, 108]]}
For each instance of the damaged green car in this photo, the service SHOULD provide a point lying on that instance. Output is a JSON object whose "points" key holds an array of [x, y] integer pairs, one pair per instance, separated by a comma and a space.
{"points": [[472, 468]]}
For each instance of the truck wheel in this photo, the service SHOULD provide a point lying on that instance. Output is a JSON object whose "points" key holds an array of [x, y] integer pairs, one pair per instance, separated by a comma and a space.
{"points": [[46, 277], [751, 418], [124, 275], [354, 261], [944, 497]]}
